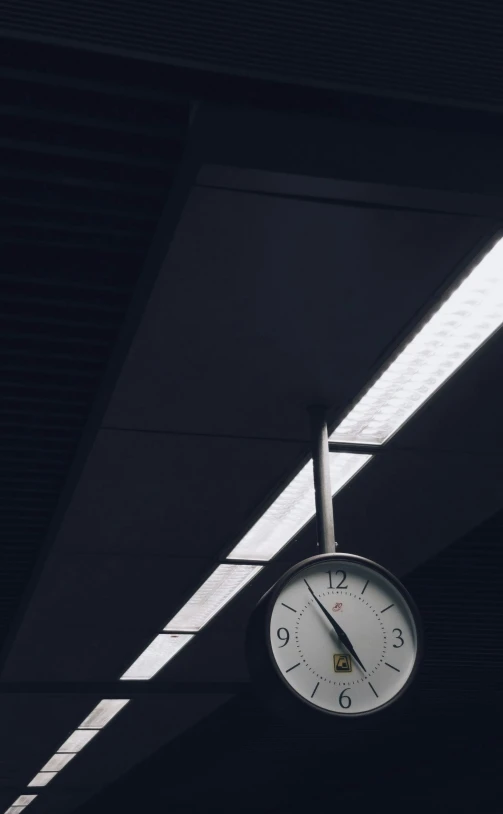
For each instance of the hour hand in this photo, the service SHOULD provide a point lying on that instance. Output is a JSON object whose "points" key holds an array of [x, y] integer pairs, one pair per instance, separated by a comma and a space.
{"points": [[343, 638], [347, 644]]}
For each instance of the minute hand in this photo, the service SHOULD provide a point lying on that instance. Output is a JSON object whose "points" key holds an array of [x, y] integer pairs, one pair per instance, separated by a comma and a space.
{"points": [[340, 633]]}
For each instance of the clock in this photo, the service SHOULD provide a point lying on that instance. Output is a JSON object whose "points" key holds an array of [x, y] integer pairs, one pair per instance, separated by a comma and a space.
{"points": [[338, 633]]}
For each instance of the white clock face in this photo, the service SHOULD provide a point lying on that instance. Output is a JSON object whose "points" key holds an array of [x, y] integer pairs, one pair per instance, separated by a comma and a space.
{"points": [[343, 635]]}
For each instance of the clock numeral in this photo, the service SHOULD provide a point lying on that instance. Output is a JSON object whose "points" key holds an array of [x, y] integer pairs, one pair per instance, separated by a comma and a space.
{"points": [[285, 638], [398, 636], [340, 585], [344, 700]]}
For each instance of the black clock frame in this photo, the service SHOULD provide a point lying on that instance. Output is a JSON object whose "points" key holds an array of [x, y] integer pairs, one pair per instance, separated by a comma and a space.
{"points": [[264, 671]]}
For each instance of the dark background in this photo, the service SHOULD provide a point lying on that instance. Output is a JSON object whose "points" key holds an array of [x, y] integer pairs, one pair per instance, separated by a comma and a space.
{"points": [[149, 406]]}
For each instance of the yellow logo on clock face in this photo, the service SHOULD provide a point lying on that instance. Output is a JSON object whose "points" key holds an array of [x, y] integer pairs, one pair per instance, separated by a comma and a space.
{"points": [[342, 663]]}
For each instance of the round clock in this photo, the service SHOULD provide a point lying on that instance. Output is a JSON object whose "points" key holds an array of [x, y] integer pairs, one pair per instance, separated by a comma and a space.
{"points": [[339, 633]]}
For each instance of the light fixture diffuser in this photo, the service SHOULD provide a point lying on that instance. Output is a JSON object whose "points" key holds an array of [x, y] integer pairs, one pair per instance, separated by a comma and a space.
{"points": [[78, 740], [57, 762], [157, 654], [103, 713], [24, 800], [223, 584], [294, 507], [42, 779], [467, 317], [15, 810]]}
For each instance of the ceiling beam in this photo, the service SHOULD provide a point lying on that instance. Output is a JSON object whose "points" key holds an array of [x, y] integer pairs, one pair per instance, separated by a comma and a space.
{"points": [[328, 158], [121, 689]]}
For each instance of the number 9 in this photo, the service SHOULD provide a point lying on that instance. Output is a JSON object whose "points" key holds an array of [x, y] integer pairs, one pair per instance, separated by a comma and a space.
{"points": [[285, 638]]}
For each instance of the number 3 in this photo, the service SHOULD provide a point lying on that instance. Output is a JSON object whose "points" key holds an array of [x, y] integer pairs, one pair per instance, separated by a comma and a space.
{"points": [[398, 636]]}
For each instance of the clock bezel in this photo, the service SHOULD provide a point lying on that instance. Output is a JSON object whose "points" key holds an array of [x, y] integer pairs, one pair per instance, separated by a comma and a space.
{"points": [[275, 591]]}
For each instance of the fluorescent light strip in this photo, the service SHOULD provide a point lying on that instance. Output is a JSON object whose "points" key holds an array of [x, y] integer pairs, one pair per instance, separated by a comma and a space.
{"points": [[78, 740], [42, 778], [464, 321], [58, 762], [294, 507], [21, 803], [103, 713], [225, 582], [157, 654]]}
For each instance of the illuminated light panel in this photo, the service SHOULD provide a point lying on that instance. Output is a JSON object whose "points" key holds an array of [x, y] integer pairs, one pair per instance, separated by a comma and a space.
{"points": [[24, 800], [78, 740], [157, 654], [294, 507], [42, 779], [57, 762], [463, 322], [225, 582], [15, 810], [103, 713]]}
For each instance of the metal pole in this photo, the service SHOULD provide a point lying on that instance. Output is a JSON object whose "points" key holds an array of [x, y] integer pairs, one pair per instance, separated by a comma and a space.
{"points": [[322, 487]]}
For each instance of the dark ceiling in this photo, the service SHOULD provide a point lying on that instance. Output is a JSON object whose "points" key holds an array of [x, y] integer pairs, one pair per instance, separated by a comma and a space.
{"points": [[438, 751], [153, 395], [85, 167], [359, 46]]}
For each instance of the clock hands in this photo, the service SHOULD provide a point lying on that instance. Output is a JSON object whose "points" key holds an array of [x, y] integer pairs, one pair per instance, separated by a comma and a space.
{"points": [[340, 633]]}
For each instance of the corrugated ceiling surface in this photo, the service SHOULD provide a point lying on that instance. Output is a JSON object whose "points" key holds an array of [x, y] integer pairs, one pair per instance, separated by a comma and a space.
{"points": [[85, 168], [430, 48]]}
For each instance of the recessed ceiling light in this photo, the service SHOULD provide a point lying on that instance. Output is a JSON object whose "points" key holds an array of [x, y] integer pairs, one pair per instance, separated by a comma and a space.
{"points": [[224, 583], [57, 762], [103, 713], [15, 810], [78, 740], [24, 800], [294, 507], [157, 654], [42, 778], [467, 317]]}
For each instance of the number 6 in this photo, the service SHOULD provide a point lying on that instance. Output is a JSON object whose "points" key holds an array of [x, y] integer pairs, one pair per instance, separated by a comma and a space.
{"points": [[343, 697]]}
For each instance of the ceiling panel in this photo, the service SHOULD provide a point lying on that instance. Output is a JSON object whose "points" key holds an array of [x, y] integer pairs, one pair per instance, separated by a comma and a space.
{"points": [[171, 495], [147, 521], [266, 305], [91, 616]]}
